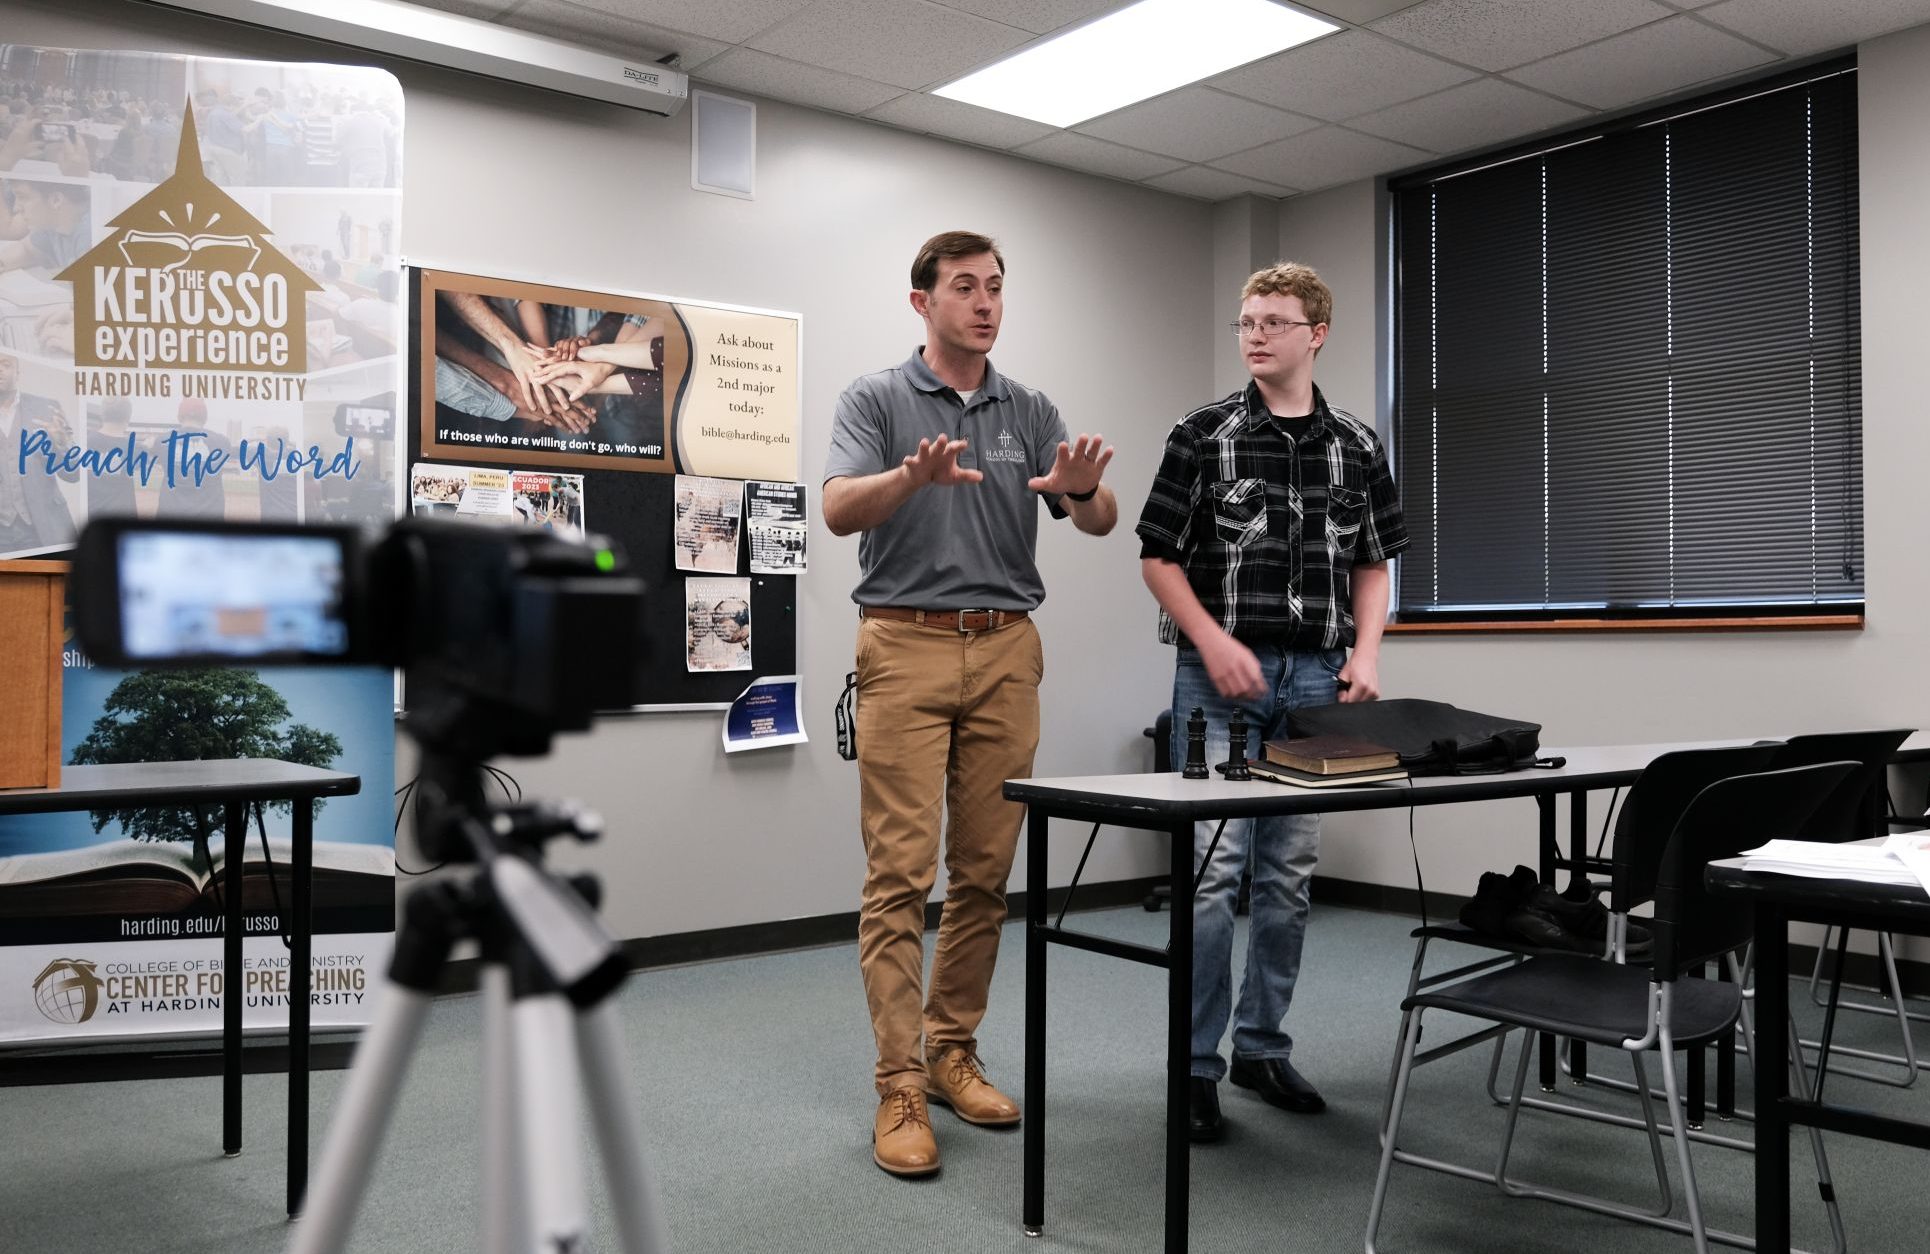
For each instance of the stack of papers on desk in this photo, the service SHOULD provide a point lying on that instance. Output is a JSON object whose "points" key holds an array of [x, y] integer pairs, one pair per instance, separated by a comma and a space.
{"points": [[1901, 860]]}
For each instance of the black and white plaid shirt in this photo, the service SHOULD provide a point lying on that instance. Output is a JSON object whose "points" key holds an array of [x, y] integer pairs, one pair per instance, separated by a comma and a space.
{"points": [[1268, 528]]}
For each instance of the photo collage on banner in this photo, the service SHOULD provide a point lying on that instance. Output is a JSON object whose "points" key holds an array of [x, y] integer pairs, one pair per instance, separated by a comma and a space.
{"points": [[199, 320]]}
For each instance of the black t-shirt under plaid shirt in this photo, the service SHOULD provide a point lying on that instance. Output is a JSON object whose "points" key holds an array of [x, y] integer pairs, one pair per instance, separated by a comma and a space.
{"points": [[1269, 527]]}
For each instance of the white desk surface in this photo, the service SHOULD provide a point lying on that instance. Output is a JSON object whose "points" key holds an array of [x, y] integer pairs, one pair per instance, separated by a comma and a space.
{"points": [[1167, 792]]}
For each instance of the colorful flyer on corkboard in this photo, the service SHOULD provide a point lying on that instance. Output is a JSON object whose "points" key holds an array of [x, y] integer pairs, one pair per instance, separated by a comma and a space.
{"points": [[536, 374]]}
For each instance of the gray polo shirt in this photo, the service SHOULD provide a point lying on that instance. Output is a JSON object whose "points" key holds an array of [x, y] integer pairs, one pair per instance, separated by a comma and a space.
{"points": [[969, 545]]}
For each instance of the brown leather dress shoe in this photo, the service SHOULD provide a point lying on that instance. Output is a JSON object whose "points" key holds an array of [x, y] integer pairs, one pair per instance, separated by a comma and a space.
{"points": [[901, 1138], [958, 1080]]}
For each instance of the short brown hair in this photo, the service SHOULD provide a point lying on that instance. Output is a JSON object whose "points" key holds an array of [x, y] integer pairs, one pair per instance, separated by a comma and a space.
{"points": [[1290, 278], [949, 246]]}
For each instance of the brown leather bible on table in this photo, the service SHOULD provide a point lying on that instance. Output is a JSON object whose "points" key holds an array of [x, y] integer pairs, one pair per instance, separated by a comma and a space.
{"points": [[1331, 755], [1307, 779]]}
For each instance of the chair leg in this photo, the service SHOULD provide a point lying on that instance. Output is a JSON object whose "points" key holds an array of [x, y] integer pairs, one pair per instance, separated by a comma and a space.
{"points": [[1666, 1196], [1825, 1186], [1515, 1105], [1696, 1230], [1697, 1073], [1407, 1016], [1742, 970], [1816, 968], [1404, 1071], [1514, 1113], [1897, 1008]]}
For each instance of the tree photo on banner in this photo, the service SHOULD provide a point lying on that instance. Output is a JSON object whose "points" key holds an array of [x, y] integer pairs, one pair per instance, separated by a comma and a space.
{"points": [[533, 374], [198, 320]]}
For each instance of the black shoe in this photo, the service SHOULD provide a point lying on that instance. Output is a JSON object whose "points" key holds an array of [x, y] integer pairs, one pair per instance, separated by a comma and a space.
{"points": [[1203, 1121], [1278, 1084]]}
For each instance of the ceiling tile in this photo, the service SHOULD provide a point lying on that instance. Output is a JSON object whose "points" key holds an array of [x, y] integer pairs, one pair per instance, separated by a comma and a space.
{"points": [[1038, 16], [1209, 184], [481, 10], [1197, 124], [954, 119], [733, 22], [1359, 12], [1096, 156], [748, 70], [911, 43], [1343, 75], [1799, 27], [572, 23], [1650, 61], [1472, 115], [1322, 158], [1501, 34]]}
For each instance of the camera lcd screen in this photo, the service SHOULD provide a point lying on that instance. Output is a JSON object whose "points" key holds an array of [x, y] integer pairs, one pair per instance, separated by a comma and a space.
{"points": [[198, 593], [364, 420]]}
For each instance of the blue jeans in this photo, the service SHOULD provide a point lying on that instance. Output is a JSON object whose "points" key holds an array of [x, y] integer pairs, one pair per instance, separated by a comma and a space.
{"points": [[1282, 850]]}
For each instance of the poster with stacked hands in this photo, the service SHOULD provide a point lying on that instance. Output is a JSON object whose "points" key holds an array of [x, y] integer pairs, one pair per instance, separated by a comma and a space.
{"points": [[534, 374]]}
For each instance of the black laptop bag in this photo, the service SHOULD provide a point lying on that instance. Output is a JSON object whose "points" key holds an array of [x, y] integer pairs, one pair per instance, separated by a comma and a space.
{"points": [[1432, 737]]}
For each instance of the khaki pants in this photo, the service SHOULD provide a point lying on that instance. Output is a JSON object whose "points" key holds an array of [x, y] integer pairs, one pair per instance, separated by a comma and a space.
{"points": [[943, 718]]}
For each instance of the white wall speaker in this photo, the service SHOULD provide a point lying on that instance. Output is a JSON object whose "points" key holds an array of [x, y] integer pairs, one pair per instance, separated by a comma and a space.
{"points": [[723, 145]]}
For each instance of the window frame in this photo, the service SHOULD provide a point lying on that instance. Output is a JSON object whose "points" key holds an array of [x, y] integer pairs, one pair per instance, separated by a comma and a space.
{"points": [[1765, 614]]}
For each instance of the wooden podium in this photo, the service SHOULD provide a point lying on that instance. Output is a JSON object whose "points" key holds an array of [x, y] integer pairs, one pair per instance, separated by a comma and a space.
{"points": [[32, 604]]}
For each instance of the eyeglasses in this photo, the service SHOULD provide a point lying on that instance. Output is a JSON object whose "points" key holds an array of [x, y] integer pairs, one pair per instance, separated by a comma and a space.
{"points": [[1268, 327]]}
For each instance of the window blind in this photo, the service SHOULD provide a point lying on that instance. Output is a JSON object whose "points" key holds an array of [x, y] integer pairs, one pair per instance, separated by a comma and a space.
{"points": [[1627, 367]]}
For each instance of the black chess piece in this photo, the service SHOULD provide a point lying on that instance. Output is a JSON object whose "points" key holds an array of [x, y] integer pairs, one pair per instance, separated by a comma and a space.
{"points": [[1196, 746], [1235, 765]]}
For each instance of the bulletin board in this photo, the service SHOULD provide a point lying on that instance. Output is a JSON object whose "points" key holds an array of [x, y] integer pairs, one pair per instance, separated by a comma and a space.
{"points": [[681, 388]]}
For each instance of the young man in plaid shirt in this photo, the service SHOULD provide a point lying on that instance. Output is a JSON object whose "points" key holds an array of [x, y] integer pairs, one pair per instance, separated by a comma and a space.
{"points": [[1266, 540]]}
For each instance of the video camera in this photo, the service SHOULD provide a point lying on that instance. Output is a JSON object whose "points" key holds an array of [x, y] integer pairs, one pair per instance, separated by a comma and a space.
{"points": [[506, 635]]}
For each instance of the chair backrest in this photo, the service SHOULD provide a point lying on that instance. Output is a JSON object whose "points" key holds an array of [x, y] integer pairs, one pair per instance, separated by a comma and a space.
{"points": [[1655, 804], [1846, 814], [1727, 817]]}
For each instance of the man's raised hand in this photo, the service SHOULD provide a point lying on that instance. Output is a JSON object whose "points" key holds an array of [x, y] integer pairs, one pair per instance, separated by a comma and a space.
{"points": [[936, 461], [1077, 469]]}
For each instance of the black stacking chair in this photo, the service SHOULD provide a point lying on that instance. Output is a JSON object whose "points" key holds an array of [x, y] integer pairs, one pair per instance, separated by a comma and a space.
{"points": [[1655, 802], [1854, 812], [1625, 1007]]}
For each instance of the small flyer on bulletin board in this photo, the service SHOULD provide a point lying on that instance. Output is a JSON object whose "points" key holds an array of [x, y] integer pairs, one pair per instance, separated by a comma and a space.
{"points": [[708, 524], [777, 527], [543, 499], [717, 624], [766, 714]]}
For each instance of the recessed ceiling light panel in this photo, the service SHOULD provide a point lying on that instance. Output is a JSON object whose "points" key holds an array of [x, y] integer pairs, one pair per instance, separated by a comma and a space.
{"points": [[1143, 50]]}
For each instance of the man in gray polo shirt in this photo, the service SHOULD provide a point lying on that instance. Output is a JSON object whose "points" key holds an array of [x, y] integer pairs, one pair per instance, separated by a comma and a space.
{"points": [[941, 463]]}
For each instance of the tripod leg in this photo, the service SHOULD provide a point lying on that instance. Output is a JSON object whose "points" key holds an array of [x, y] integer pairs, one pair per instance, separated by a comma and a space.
{"points": [[619, 1133], [546, 1089], [505, 1225], [349, 1152]]}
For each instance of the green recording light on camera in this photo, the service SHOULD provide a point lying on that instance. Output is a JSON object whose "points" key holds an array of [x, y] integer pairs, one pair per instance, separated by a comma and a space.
{"points": [[606, 561]]}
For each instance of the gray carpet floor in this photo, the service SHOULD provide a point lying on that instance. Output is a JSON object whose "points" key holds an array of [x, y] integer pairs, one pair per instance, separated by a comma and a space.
{"points": [[753, 1077]]}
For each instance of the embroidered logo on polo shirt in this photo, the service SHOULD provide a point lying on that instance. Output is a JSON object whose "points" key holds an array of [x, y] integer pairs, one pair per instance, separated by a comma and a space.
{"points": [[1008, 450]]}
